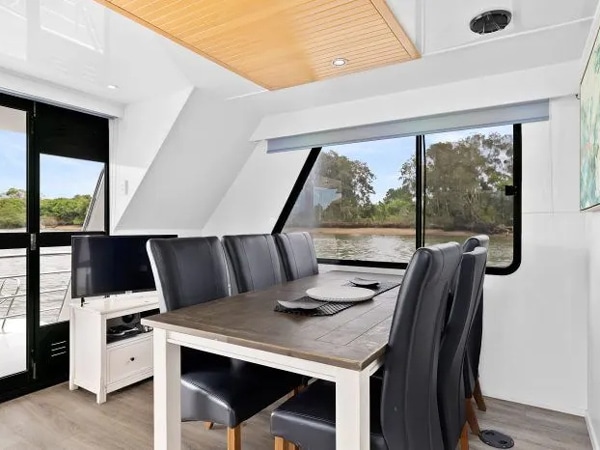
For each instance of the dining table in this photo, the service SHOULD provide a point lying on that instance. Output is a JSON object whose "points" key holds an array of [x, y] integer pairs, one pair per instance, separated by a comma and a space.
{"points": [[345, 348]]}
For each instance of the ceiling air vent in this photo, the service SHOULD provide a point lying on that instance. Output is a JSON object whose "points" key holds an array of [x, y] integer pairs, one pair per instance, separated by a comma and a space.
{"points": [[490, 21]]}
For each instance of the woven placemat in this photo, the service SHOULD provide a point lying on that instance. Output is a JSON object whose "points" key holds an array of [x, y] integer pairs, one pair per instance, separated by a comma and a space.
{"points": [[382, 287], [326, 309]]}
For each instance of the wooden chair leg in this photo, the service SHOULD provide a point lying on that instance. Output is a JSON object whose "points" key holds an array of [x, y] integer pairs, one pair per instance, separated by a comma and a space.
{"points": [[464, 438], [291, 446], [472, 417], [208, 425], [234, 438], [478, 396], [279, 443]]}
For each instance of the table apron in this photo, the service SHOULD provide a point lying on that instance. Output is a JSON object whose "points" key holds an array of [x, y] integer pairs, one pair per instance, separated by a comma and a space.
{"points": [[265, 358]]}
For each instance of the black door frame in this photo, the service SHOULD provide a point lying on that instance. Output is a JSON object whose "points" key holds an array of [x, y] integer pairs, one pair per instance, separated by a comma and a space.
{"points": [[45, 365]]}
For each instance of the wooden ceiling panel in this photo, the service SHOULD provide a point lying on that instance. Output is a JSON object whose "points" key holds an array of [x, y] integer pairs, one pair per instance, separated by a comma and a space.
{"points": [[279, 43]]}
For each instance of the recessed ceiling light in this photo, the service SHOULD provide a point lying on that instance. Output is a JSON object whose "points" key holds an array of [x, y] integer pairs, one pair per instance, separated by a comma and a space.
{"points": [[339, 62], [490, 21], [112, 86]]}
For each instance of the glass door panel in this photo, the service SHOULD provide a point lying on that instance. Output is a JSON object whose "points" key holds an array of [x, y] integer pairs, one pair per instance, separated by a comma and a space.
{"points": [[13, 312], [55, 284], [14, 239]]}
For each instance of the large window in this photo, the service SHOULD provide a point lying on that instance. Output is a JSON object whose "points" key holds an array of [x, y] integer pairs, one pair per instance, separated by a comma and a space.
{"points": [[373, 203]]}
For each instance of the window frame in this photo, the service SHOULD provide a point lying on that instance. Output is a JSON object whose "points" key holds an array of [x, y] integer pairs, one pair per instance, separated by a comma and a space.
{"points": [[419, 206]]}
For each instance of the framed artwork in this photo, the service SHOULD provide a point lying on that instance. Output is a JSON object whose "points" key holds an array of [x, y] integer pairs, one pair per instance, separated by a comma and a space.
{"points": [[590, 131]]}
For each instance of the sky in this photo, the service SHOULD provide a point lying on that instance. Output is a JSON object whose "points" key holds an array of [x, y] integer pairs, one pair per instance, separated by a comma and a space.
{"points": [[59, 176], [385, 157]]}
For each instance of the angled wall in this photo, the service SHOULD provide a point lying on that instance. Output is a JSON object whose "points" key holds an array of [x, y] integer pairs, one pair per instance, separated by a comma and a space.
{"points": [[197, 163], [136, 139]]}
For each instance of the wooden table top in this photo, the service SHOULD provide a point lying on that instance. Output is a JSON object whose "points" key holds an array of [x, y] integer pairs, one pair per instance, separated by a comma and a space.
{"points": [[351, 339]]}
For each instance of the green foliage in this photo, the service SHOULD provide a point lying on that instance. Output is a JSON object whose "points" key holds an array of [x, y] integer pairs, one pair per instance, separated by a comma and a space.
{"points": [[12, 213], [64, 211], [54, 211], [464, 189]]}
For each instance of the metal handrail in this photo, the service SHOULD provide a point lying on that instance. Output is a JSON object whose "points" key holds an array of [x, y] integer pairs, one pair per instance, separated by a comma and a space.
{"points": [[50, 272]]}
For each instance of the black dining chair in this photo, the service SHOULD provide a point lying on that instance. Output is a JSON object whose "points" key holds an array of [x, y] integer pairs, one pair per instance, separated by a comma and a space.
{"points": [[298, 255], [471, 368], [404, 403], [254, 261], [451, 387], [214, 389]]}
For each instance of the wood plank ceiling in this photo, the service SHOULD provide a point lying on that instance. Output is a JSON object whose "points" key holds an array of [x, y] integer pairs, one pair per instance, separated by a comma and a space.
{"points": [[279, 43]]}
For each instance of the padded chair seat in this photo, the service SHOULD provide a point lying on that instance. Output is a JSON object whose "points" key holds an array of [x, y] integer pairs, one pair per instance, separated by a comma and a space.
{"points": [[308, 419], [231, 393]]}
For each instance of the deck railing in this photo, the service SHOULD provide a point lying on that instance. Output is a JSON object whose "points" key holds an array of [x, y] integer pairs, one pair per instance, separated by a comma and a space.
{"points": [[11, 293]]}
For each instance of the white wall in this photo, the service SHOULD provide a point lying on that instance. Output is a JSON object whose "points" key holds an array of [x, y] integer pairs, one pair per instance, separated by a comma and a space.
{"points": [[136, 139], [593, 382], [198, 161], [534, 348]]}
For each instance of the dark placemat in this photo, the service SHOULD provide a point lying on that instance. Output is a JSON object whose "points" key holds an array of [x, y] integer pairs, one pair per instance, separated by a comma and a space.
{"points": [[326, 309], [382, 287]]}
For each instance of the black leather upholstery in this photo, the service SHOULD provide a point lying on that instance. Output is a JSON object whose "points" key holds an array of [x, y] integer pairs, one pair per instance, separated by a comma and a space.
{"points": [[408, 413], [231, 394], [254, 261], [452, 354], [474, 343], [308, 419], [190, 271], [297, 255]]}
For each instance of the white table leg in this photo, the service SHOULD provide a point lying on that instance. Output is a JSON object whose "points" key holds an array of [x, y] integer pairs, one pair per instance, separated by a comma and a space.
{"points": [[352, 413], [167, 393]]}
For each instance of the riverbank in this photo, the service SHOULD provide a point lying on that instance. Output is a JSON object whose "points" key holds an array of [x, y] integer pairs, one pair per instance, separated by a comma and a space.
{"points": [[381, 232]]}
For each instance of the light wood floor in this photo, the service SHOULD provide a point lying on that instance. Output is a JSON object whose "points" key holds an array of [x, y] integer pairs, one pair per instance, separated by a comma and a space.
{"points": [[58, 419]]}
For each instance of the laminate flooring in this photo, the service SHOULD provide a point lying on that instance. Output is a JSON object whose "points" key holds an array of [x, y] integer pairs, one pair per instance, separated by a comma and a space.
{"points": [[56, 418]]}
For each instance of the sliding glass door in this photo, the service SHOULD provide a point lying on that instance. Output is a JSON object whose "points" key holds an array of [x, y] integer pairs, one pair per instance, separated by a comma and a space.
{"points": [[15, 307], [53, 185]]}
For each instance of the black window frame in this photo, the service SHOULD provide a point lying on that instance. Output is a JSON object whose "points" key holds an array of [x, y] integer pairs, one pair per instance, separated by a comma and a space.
{"points": [[420, 207]]}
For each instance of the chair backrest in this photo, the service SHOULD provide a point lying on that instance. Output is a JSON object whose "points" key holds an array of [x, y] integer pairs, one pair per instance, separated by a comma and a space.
{"points": [[409, 407], [481, 240], [254, 261], [297, 254], [474, 341], [188, 271], [451, 388]]}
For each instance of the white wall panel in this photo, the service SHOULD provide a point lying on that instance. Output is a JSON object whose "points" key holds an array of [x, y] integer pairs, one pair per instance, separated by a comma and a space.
{"points": [[136, 139]]}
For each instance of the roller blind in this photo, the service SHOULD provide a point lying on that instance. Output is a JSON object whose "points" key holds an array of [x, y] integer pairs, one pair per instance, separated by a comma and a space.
{"points": [[509, 114]]}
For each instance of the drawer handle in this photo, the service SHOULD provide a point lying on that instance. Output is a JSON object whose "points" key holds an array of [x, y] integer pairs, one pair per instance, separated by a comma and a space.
{"points": [[132, 359]]}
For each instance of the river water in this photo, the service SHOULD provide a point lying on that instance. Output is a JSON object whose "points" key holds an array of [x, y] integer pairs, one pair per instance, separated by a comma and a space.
{"points": [[395, 248]]}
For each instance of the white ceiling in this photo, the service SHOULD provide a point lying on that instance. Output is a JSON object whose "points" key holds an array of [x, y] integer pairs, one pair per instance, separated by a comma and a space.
{"points": [[84, 46], [446, 22]]}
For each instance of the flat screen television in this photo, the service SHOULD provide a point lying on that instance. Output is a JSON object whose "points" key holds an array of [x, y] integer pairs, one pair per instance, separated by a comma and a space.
{"points": [[102, 265]]}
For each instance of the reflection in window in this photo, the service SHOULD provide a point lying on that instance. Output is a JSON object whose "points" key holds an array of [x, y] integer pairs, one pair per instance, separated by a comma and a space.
{"points": [[79, 21], [359, 203]]}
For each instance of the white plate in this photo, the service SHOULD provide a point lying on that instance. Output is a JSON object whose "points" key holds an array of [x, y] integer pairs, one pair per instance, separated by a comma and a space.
{"points": [[340, 294], [364, 282], [299, 304]]}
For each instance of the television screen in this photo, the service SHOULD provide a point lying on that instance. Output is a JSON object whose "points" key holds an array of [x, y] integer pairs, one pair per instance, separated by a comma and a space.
{"points": [[102, 265]]}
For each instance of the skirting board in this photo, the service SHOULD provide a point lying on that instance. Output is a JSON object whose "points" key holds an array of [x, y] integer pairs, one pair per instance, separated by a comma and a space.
{"points": [[507, 398], [592, 432]]}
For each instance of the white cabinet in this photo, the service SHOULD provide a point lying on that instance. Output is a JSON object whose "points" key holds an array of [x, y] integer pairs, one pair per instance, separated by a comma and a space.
{"points": [[102, 367]]}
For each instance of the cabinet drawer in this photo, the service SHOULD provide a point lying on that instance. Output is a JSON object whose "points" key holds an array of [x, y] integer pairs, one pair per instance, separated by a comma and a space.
{"points": [[128, 359]]}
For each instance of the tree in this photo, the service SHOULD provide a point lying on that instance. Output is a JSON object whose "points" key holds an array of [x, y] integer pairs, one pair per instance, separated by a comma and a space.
{"points": [[353, 181], [465, 182]]}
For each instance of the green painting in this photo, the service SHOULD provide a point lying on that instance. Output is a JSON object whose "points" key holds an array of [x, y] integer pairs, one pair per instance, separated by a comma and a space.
{"points": [[590, 131]]}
